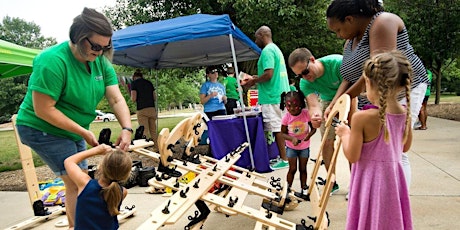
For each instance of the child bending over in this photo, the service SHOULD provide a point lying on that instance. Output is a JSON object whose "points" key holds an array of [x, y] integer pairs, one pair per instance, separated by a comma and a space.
{"points": [[99, 201], [379, 197], [296, 129]]}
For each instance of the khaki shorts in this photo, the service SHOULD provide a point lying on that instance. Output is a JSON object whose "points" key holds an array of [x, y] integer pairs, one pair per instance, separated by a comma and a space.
{"points": [[331, 134], [271, 115]]}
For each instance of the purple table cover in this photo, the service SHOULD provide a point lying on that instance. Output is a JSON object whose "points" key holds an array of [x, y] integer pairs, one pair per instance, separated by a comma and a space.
{"points": [[226, 135]]}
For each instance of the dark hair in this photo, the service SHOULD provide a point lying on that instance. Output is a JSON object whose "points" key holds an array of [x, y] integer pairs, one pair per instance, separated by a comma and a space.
{"points": [[211, 68], [341, 8], [88, 23], [297, 94], [138, 73], [298, 55], [230, 70]]}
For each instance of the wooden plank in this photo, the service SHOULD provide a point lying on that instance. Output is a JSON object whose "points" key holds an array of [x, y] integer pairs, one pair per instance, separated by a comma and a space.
{"points": [[261, 216], [28, 167], [238, 192], [141, 143], [178, 205], [37, 219], [261, 225]]}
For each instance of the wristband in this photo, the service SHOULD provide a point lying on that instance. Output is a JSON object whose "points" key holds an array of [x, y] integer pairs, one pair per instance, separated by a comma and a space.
{"points": [[129, 129]]}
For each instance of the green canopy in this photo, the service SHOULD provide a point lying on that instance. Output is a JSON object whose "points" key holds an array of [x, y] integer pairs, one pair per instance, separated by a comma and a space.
{"points": [[15, 60]]}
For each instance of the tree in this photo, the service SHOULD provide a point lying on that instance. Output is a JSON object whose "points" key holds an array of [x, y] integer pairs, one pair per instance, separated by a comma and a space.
{"points": [[294, 23], [24, 33], [13, 90], [434, 31]]}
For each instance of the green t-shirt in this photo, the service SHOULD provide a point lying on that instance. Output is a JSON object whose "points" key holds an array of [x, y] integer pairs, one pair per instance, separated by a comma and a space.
{"points": [[231, 87], [57, 73], [327, 84], [270, 91], [430, 79]]}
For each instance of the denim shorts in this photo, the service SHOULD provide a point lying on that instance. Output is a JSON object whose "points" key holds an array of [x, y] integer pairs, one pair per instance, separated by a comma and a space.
{"points": [[52, 149], [294, 153]]}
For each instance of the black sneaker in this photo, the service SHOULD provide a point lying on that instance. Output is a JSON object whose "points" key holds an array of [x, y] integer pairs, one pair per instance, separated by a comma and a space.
{"points": [[302, 196]]}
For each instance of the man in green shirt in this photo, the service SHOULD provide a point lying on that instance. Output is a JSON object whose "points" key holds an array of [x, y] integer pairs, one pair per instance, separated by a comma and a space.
{"points": [[231, 91], [271, 80], [318, 77]]}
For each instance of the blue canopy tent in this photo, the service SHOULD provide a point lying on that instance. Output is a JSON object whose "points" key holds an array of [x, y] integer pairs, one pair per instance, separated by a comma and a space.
{"points": [[187, 41]]}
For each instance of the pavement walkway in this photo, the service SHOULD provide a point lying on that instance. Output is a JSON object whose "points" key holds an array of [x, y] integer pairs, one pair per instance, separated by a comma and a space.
{"points": [[434, 192]]}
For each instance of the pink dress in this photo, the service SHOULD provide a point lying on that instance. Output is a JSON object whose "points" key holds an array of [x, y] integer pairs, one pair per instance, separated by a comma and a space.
{"points": [[379, 198]]}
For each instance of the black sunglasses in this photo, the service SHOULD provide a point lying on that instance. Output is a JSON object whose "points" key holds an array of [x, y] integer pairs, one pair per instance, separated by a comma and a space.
{"points": [[97, 47], [306, 71]]}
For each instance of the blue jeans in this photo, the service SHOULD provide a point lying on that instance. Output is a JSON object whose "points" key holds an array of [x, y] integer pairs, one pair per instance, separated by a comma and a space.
{"points": [[294, 153], [52, 149]]}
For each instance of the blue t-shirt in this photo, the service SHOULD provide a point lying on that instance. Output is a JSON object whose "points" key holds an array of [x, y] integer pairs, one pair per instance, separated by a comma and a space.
{"points": [[92, 211], [214, 103]]}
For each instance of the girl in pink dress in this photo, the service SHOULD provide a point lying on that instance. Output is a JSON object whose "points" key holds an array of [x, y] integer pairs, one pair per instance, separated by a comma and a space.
{"points": [[379, 197], [296, 129]]}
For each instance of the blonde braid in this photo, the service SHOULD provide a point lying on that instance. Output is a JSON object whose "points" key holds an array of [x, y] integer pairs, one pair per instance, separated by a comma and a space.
{"points": [[390, 72], [383, 92]]}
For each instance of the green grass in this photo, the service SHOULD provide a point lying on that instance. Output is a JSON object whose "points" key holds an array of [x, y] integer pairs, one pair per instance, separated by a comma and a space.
{"points": [[9, 155], [445, 98]]}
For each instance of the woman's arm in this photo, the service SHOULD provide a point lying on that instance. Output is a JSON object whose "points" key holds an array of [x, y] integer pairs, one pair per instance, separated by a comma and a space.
{"points": [[408, 143], [205, 98], [357, 88], [75, 173], [118, 104], [384, 32], [341, 90], [44, 107]]}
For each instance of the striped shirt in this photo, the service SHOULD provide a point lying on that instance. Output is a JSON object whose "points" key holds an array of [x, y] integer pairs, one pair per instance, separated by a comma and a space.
{"points": [[353, 60]]}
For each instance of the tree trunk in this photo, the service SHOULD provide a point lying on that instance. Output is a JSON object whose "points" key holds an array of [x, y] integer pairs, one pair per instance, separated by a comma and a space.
{"points": [[438, 83]]}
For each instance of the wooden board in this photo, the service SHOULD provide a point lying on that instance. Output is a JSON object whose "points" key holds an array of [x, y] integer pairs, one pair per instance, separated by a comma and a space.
{"points": [[177, 205], [319, 200], [28, 167], [37, 219]]}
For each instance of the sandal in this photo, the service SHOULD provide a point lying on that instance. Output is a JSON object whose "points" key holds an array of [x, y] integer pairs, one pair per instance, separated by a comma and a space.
{"points": [[420, 128], [62, 223]]}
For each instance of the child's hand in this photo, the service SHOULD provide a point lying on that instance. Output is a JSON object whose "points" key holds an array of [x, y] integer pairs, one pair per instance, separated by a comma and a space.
{"points": [[103, 148], [295, 141], [342, 129]]}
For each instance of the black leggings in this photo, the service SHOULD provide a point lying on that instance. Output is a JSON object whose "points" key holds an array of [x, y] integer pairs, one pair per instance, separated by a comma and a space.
{"points": [[215, 113]]}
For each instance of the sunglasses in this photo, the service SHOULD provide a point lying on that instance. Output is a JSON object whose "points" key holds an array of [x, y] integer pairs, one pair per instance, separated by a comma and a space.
{"points": [[97, 47], [305, 72], [212, 71]]}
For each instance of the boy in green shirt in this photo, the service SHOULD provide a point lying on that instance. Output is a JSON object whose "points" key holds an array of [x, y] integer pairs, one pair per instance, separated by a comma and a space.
{"points": [[231, 91]]}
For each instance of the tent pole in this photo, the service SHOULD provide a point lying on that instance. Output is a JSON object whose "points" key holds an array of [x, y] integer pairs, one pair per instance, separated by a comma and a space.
{"points": [[156, 104], [240, 91]]}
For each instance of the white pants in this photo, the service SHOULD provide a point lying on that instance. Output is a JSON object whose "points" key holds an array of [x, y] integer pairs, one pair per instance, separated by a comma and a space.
{"points": [[416, 98]]}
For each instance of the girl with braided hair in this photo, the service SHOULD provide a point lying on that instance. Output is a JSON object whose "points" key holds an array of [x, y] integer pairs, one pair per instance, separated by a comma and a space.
{"points": [[296, 128], [99, 200], [379, 197]]}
